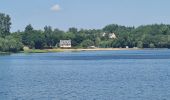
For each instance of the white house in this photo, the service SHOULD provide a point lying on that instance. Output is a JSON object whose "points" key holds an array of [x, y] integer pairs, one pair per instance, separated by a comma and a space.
{"points": [[65, 43], [104, 34], [111, 35]]}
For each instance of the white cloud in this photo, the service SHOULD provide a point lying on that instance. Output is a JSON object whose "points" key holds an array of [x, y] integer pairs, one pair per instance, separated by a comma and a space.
{"points": [[56, 8]]}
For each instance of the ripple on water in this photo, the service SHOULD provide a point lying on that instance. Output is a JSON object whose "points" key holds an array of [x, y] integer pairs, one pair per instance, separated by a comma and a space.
{"points": [[105, 75]]}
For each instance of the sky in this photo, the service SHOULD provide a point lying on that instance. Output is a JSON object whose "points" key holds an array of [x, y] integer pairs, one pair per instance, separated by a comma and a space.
{"points": [[87, 14]]}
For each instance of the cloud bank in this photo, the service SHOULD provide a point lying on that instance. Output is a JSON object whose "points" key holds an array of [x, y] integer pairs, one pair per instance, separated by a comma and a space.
{"points": [[56, 8]]}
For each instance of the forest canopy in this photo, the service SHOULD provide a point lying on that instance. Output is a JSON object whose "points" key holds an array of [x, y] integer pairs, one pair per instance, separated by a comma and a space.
{"points": [[145, 36]]}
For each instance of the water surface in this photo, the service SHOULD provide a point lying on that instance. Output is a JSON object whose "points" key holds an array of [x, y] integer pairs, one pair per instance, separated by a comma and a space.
{"points": [[94, 75]]}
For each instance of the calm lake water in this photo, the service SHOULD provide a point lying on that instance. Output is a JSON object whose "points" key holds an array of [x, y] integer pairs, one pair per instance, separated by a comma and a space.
{"points": [[94, 75]]}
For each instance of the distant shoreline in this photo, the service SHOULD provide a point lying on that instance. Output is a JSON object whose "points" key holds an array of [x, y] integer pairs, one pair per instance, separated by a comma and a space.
{"points": [[104, 49], [74, 50], [98, 49], [80, 49]]}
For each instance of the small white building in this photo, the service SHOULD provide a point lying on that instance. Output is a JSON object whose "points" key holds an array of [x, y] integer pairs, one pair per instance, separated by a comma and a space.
{"points": [[104, 34], [111, 35], [65, 43]]}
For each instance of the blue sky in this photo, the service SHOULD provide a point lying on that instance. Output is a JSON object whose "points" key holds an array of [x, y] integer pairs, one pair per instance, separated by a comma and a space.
{"points": [[87, 14]]}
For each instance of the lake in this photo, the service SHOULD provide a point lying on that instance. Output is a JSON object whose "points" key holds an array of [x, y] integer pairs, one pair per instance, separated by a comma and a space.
{"points": [[86, 75]]}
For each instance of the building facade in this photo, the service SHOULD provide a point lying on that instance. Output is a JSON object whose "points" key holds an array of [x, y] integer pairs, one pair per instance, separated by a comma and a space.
{"points": [[65, 43], [111, 35]]}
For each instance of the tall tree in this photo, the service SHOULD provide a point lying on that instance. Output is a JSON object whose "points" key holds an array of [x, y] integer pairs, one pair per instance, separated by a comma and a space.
{"points": [[27, 35], [73, 30], [5, 25], [48, 35], [29, 29]]}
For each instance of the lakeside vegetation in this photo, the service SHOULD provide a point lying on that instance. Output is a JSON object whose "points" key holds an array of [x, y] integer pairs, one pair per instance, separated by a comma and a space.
{"points": [[42, 50], [145, 36]]}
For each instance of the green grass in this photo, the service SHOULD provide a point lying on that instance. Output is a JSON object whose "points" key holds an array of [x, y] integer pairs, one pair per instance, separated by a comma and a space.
{"points": [[35, 51], [4, 53], [41, 51]]}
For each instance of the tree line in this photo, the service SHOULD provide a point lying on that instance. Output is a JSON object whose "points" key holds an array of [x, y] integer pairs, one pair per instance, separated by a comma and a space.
{"points": [[145, 36]]}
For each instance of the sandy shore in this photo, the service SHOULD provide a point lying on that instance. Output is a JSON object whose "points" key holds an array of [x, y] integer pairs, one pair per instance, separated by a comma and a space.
{"points": [[75, 50], [95, 49]]}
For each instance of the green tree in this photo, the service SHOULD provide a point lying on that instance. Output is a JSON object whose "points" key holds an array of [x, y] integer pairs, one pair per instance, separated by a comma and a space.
{"points": [[48, 35], [38, 39], [26, 36], [5, 23], [9, 44], [87, 43], [73, 30]]}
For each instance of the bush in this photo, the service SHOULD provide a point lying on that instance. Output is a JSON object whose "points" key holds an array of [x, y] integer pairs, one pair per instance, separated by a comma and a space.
{"points": [[10, 45], [151, 45], [87, 43]]}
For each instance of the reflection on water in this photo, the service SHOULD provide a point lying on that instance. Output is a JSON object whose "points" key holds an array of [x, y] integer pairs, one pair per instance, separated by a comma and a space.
{"points": [[96, 75], [4, 54]]}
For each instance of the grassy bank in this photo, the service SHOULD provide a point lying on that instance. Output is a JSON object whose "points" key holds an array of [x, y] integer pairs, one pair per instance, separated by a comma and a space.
{"points": [[101, 49], [70, 50], [41, 50], [4, 53], [75, 50]]}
